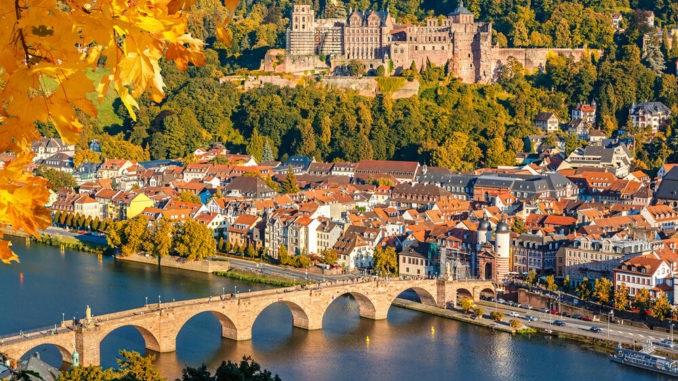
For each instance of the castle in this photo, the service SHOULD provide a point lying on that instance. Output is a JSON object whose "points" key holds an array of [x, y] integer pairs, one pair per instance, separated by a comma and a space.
{"points": [[457, 42]]}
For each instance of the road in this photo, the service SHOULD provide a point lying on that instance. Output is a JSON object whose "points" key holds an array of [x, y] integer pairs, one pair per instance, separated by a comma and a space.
{"points": [[87, 237], [615, 332], [284, 272]]}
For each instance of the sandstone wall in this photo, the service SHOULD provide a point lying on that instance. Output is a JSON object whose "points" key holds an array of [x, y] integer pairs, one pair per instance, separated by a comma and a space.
{"points": [[277, 61], [203, 266], [533, 58]]}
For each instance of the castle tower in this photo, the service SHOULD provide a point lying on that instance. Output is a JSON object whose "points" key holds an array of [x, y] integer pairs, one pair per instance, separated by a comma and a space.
{"points": [[484, 233], [461, 15], [301, 34], [502, 247]]}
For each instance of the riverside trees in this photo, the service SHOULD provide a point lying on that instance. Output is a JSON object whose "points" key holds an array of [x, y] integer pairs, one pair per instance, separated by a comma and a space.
{"points": [[189, 239]]}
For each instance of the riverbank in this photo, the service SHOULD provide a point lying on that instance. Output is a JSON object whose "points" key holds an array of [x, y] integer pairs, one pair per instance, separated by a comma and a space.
{"points": [[450, 314], [58, 240], [203, 266], [258, 278]]}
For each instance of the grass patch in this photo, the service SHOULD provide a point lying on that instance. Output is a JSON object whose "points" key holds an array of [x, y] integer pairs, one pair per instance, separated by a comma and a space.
{"points": [[258, 278], [389, 85], [69, 243], [106, 116]]}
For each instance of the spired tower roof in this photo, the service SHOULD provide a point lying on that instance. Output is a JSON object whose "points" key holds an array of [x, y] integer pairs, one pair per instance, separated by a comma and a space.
{"points": [[461, 10]]}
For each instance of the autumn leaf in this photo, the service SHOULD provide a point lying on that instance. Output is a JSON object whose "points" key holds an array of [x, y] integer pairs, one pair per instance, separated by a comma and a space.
{"points": [[175, 6], [6, 254]]}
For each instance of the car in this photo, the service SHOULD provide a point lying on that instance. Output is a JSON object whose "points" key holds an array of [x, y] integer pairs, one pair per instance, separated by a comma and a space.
{"points": [[576, 316], [513, 314], [501, 301], [554, 312], [527, 307], [666, 343], [595, 329], [531, 318], [559, 323], [544, 310], [564, 314], [586, 318]]}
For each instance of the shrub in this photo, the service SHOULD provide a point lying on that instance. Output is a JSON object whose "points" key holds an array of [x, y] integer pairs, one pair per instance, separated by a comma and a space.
{"points": [[514, 323], [497, 315]]}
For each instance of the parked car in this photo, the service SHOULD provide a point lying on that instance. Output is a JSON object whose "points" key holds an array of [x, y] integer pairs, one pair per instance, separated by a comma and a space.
{"points": [[666, 343], [527, 306], [513, 314], [502, 301], [559, 323], [595, 329], [576, 316], [531, 318], [544, 310], [554, 312], [586, 318]]}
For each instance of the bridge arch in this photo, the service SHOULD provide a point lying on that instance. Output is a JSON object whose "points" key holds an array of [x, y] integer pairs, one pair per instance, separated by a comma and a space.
{"points": [[488, 292], [425, 296], [228, 328], [66, 355], [301, 316], [150, 339], [366, 306]]}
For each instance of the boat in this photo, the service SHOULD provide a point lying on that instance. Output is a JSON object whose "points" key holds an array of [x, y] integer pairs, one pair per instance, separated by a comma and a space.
{"points": [[644, 359]]}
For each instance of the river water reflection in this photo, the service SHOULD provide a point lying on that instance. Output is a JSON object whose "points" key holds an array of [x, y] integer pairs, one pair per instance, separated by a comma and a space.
{"points": [[403, 347]]}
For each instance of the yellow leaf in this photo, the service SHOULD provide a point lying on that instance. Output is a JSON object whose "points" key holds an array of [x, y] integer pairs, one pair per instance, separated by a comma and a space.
{"points": [[6, 254], [223, 34], [175, 6]]}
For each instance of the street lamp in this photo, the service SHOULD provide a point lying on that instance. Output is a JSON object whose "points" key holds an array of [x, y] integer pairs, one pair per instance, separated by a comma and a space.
{"points": [[223, 290], [63, 318], [610, 316], [159, 301], [146, 301]]}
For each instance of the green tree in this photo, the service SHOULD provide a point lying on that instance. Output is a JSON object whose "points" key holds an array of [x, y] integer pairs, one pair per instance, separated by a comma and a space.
{"points": [[188, 196], [621, 297], [653, 57], [385, 261], [57, 179], [283, 257], [194, 241], [518, 226], [381, 71], [642, 299], [602, 290], [289, 185], [246, 370], [662, 308], [355, 68], [584, 290], [255, 147], [251, 252]]}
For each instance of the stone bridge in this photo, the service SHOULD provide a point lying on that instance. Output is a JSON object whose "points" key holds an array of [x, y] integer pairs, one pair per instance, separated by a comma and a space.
{"points": [[159, 324]]}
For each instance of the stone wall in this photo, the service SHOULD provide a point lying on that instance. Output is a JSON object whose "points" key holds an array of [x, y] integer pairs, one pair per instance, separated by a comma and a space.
{"points": [[204, 266], [368, 87], [534, 58], [277, 61]]}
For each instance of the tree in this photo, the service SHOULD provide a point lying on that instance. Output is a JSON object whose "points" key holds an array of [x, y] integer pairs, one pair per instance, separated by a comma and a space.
{"points": [[85, 155], [602, 290], [654, 58], [228, 247], [251, 252], [497, 315], [551, 283], [621, 297], [518, 226], [47, 52], [385, 261], [161, 238], [283, 257], [329, 256], [466, 304], [641, 301], [381, 71], [194, 241], [514, 323], [584, 290], [478, 312], [188, 196], [355, 68], [267, 152], [289, 185], [220, 245], [531, 278], [662, 308], [256, 146], [57, 179], [132, 365], [566, 283], [246, 370]]}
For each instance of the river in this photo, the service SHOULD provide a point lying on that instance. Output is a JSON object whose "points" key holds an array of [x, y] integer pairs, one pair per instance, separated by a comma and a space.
{"points": [[47, 283]]}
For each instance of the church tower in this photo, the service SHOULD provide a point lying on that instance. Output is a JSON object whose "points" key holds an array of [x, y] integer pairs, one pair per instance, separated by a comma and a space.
{"points": [[502, 247]]}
